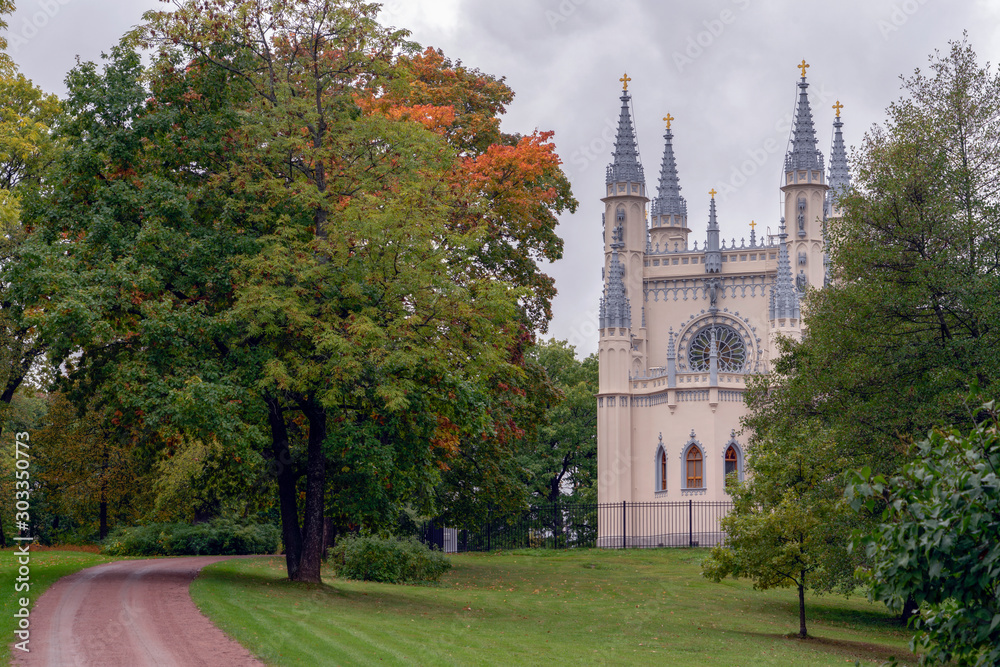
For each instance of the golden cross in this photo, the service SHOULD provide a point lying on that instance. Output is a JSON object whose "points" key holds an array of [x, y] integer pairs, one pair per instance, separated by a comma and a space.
{"points": [[753, 225], [838, 106], [713, 193], [803, 66], [668, 118], [625, 79]]}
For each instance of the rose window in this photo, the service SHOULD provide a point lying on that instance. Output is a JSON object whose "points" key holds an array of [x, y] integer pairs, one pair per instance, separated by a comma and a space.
{"points": [[732, 350]]}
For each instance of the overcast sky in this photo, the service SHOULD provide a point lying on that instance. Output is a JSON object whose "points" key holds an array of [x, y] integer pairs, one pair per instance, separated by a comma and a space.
{"points": [[724, 69]]}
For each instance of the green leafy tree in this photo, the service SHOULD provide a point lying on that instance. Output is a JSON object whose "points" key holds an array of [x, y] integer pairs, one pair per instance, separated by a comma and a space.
{"points": [[6, 7], [486, 479], [24, 414], [938, 541], [270, 266], [27, 148], [89, 478], [562, 460], [911, 314], [787, 517]]}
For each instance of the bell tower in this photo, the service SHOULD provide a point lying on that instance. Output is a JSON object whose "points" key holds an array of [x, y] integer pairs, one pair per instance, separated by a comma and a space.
{"points": [[805, 191], [621, 350], [625, 215]]}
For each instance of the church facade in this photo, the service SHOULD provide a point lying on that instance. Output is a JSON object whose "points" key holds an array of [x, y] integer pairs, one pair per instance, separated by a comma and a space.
{"points": [[684, 322]]}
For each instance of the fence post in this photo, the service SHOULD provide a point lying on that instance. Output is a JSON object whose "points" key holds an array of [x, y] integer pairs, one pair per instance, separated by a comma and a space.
{"points": [[623, 524], [690, 523]]}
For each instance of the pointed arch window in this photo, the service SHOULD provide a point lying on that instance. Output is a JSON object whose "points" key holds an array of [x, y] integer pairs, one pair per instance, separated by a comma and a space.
{"points": [[732, 455], [732, 463], [660, 467], [694, 468]]}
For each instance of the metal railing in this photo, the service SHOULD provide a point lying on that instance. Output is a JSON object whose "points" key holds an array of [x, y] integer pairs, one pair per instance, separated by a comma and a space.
{"points": [[689, 523]]}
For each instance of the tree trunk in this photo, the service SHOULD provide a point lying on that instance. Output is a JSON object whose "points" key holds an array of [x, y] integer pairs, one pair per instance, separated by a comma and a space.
{"points": [[286, 477], [312, 522], [103, 530], [802, 607], [910, 608], [329, 535]]}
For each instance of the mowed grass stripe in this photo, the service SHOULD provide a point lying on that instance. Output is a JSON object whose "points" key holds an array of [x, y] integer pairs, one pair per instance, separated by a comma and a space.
{"points": [[534, 608]]}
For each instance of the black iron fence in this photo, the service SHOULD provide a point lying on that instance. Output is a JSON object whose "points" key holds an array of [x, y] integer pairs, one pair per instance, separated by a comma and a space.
{"points": [[622, 525]]}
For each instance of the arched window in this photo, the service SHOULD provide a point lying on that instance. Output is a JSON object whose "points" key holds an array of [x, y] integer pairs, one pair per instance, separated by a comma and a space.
{"points": [[660, 466], [732, 463], [732, 455], [694, 468], [663, 470]]}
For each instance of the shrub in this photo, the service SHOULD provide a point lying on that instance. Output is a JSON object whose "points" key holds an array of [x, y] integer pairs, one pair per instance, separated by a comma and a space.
{"points": [[387, 559], [220, 537]]}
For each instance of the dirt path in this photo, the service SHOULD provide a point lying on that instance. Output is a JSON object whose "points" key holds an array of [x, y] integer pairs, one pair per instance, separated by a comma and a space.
{"points": [[133, 613]]}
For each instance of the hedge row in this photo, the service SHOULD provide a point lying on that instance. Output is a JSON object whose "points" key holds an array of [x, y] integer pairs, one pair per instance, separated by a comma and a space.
{"points": [[218, 537]]}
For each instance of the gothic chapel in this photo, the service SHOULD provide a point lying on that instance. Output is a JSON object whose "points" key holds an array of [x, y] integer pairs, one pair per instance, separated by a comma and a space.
{"points": [[683, 324]]}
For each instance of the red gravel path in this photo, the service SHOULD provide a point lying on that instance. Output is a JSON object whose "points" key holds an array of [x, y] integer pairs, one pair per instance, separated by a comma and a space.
{"points": [[133, 613]]}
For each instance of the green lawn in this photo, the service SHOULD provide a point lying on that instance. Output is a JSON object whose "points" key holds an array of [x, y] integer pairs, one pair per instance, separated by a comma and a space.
{"points": [[541, 608], [46, 567]]}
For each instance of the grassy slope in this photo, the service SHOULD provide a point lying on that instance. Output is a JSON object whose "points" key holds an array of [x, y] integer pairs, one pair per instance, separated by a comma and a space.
{"points": [[540, 608], [46, 567]]}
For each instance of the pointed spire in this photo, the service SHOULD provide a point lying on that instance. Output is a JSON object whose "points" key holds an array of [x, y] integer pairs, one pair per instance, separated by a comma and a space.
{"points": [[840, 175], [668, 197], [615, 309], [784, 294], [625, 168], [713, 257], [804, 154]]}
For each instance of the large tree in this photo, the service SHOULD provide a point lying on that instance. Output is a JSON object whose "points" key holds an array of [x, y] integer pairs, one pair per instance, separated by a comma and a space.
{"points": [[911, 316], [27, 148], [938, 541], [562, 458], [271, 263]]}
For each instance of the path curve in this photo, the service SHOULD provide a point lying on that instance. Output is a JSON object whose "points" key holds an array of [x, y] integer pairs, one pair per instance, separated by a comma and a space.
{"points": [[133, 613]]}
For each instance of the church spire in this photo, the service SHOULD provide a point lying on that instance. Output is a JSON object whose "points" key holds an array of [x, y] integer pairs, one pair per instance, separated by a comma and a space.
{"points": [[713, 257], [784, 294], [804, 155], [625, 168], [668, 198], [615, 309], [840, 176]]}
